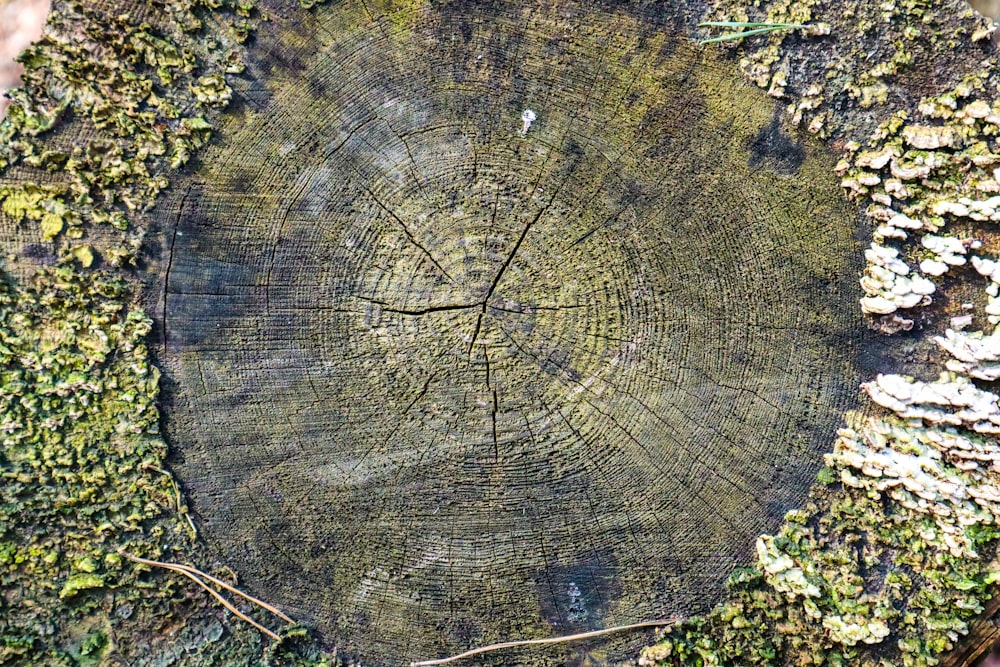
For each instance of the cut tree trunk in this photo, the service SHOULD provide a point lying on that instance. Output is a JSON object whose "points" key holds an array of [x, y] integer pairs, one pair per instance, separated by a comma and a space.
{"points": [[493, 320], [441, 374]]}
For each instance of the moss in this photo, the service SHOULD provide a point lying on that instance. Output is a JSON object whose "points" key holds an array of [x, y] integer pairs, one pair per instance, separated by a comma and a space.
{"points": [[82, 459], [80, 582]]}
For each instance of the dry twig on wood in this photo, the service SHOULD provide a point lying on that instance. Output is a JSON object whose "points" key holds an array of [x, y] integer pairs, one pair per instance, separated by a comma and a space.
{"points": [[197, 576], [546, 641]]}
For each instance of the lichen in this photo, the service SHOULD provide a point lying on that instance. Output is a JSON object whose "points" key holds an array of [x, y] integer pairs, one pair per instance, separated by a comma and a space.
{"points": [[889, 547], [81, 464], [80, 433]]}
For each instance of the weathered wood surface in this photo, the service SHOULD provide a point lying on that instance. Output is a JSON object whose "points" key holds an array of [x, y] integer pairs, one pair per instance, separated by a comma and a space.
{"points": [[433, 381], [580, 417]]}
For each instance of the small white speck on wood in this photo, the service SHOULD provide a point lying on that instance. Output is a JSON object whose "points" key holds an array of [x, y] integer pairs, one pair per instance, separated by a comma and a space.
{"points": [[527, 118]]}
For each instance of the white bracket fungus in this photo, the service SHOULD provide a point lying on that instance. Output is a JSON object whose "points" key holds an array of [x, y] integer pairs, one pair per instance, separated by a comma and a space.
{"points": [[952, 400], [974, 354], [887, 283], [991, 270], [948, 250], [911, 464]]}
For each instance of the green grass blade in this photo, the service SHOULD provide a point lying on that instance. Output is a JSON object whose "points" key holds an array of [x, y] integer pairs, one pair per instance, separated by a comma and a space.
{"points": [[747, 33]]}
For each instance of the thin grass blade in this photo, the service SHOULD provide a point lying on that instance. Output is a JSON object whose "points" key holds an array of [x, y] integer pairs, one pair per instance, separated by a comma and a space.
{"points": [[739, 35]]}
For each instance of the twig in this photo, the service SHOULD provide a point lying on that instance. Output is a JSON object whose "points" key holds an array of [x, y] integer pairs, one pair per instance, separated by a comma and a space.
{"points": [[535, 642], [748, 24], [226, 603], [219, 582], [195, 575]]}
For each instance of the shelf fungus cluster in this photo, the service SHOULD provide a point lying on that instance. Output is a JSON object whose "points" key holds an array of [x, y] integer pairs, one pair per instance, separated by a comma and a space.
{"points": [[931, 471], [889, 283], [952, 399], [927, 182], [974, 354]]}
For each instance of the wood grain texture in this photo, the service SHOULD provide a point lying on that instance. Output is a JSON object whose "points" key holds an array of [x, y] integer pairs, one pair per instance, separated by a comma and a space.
{"points": [[435, 384]]}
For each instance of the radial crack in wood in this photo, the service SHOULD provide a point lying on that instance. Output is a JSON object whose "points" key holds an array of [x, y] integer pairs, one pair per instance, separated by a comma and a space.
{"points": [[438, 380]]}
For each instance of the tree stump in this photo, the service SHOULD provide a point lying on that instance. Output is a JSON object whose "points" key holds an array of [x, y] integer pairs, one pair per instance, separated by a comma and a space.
{"points": [[486, 320]]}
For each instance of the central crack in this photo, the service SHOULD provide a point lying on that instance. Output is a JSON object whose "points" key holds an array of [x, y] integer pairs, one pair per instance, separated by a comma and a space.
{"points": [[503, 268], [484, 302]]}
